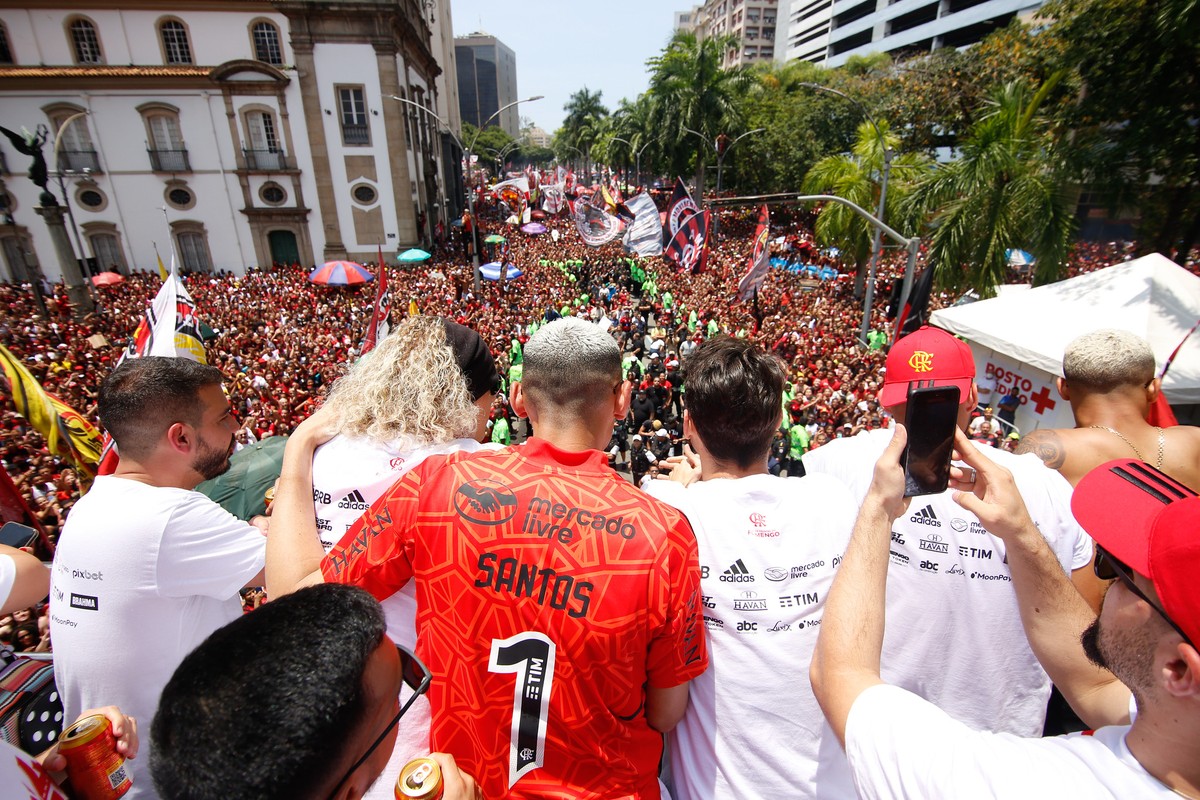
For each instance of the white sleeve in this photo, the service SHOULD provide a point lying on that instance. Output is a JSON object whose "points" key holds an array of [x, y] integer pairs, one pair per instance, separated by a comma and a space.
{"points": [[207, 551], [902, 746], [8, 576]]}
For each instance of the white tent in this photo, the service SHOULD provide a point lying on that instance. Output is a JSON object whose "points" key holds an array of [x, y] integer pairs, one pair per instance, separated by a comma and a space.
{"points": [[1018, 338]]}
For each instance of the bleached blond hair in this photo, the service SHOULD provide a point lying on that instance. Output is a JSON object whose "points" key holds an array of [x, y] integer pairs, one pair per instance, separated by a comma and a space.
{"points": [[1107, 359], [410, 386]]}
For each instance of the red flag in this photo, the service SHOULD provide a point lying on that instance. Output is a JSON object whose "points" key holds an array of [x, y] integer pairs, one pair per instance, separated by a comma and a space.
{"points": [[680, 208], [1160, 414], [689, 246], [913, 315], [378, 327], [756, 272]]}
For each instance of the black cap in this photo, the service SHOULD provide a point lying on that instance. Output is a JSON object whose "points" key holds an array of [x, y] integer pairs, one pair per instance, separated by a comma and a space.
{"points": [[474, 358]]}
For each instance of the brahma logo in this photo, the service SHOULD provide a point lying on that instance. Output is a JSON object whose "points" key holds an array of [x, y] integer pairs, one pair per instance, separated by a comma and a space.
{"points": [[485, 501], [921, 361]]}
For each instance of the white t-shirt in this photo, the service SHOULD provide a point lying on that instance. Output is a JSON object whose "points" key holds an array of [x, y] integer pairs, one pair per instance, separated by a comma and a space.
{"points": [[901, 746], [349, 474], [141, 576], [8, 577], [768, 550], [953, 633]]}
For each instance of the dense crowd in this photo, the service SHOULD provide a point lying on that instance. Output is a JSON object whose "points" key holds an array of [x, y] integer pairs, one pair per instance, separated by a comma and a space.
{"points": [[281, 341]]}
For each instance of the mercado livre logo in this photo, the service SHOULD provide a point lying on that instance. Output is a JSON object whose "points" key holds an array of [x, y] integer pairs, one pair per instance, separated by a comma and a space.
{"points": [[485, 501]]}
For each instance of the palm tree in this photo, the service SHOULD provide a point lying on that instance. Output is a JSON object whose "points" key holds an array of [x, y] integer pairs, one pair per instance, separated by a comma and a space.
{"points": [[584, 122], [857, 176], [1007, 189], [692, 91]]}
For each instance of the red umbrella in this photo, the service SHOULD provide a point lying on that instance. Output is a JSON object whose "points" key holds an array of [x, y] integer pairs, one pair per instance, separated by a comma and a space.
{"points": [[107, 279], [340, 273]]}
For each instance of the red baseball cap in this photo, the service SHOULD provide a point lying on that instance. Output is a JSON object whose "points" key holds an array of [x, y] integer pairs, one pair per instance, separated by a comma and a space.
{"points": [[1148, 521], [929, 356]]}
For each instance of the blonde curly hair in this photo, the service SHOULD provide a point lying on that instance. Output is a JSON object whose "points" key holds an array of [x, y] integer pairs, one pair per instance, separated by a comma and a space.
{"points": [[410, 386]]}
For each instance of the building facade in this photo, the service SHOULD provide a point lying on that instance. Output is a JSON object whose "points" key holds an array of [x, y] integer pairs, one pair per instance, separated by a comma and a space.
{"points": [[224, 134], [904, 27], [754, 25], [807, 23], [487, 81]]}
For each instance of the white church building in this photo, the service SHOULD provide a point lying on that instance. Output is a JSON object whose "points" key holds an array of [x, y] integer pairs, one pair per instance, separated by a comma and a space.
{"points": [[230, 133]]}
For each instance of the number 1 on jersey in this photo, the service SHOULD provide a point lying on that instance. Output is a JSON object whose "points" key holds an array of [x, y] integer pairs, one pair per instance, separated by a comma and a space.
{"points": [[530, 656]]}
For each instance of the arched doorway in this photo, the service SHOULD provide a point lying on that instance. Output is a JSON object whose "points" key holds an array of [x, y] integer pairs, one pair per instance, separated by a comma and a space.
{"points": [[284, 249]]}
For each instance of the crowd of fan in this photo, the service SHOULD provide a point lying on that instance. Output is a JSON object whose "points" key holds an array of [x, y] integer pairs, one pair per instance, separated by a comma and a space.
{"points": [[280, 340]]}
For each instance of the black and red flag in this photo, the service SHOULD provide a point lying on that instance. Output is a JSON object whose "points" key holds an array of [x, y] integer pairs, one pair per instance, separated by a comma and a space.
{"points": [[756, 271], [916, 310], [680, 208], [689, 246]]}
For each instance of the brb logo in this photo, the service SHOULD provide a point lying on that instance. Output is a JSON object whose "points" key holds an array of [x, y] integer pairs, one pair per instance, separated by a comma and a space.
{"points": [[485, 501], [921, 361]]}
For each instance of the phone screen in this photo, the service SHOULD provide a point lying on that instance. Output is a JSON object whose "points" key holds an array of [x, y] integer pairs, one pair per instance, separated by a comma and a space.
{"points": [[930, 418]]}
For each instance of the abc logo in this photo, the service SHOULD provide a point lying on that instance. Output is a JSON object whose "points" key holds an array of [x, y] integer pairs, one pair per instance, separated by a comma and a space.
{"points": [[930, 566], [747, 626]]}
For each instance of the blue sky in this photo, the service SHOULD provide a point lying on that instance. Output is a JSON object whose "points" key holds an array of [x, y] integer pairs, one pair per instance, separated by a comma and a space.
{"points": [[564, 45]]}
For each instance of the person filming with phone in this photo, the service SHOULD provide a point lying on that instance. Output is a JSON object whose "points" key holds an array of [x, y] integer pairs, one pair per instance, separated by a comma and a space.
{"points": [[954, 634]]}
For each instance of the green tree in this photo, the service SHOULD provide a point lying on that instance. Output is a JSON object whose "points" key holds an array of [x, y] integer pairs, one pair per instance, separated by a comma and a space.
{"points": [[857, 176], [584, 122], [1007, 189], [691, 91], [1139, 61]]}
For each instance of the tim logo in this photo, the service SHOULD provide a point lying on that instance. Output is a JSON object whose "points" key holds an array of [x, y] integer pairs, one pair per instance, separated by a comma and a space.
{"points": [[485, 501], [758, 520], [921, 361]]}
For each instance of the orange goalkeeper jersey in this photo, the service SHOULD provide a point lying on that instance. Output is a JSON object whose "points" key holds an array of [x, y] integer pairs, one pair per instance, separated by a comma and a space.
{"points": [[550, 593]]}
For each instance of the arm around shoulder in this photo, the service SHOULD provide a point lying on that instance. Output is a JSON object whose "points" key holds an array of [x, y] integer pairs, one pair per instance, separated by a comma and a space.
{"points": [[31, 580]]}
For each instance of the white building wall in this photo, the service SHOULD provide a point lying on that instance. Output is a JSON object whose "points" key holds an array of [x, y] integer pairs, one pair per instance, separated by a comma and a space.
{"points": [[355, 65]]}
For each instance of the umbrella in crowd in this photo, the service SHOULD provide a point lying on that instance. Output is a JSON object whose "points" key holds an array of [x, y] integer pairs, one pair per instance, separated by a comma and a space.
{"points": [[534, 228], [340, 273], [107, 279], [537, 213], [495, 238], [491, 271], [413, 256], [1019, 258], [241, 489]]}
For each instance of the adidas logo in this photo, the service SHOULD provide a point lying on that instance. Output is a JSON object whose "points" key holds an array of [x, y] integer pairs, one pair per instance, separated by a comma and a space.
{"points": [[926, 517], [737, 573], [354, 501]]}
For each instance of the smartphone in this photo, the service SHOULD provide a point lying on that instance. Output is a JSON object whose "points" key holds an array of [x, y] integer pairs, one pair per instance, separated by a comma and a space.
{"points": [[930, 419]]}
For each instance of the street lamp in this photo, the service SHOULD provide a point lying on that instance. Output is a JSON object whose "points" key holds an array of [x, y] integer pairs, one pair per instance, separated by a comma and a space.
{"points": [[469, 151], [719, 151], [869, 298], [58, 173]]}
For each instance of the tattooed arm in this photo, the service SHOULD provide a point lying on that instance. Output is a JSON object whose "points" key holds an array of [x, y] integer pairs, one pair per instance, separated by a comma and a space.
{"points": [[1046, 445]]}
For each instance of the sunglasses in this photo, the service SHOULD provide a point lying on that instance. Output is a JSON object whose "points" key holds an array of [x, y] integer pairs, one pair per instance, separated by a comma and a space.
{"points": [[416, 676], [1107, 567]]}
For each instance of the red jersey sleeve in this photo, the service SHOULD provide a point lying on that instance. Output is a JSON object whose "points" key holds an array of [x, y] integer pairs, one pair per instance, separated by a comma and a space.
{"points": [[678, 652], [376, 552]]}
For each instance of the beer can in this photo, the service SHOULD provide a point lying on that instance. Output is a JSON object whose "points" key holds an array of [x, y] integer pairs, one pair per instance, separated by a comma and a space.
{"points": [[95, 768], [421, 779]]}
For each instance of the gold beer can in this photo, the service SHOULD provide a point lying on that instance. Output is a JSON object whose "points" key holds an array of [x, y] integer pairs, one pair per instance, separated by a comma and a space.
{"points": [[421, 779]]}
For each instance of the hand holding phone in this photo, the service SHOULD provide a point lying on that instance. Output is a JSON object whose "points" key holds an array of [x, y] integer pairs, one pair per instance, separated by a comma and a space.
{"points": [[931, 418]]}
